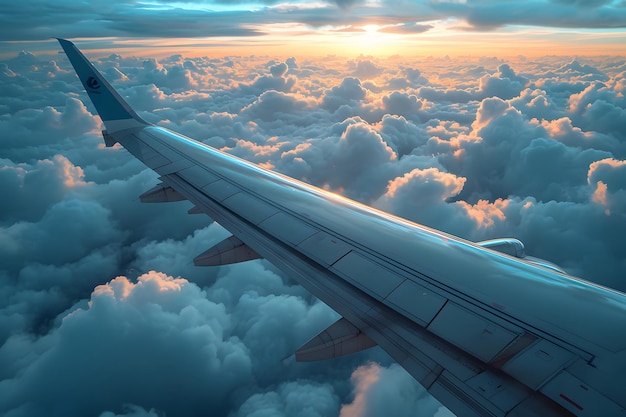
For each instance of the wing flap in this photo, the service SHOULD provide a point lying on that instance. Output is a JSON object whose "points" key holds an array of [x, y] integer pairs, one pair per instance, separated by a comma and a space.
{"points": [[324, 248], [250, 207], [482, 338], [416, 302]]}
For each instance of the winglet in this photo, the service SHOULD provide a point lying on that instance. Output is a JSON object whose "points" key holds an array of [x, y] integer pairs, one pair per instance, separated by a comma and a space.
{"points": [[113, 110]]}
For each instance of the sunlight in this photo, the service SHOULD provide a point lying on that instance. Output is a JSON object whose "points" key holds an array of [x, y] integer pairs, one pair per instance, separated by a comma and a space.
{"points": [[370, 41]]}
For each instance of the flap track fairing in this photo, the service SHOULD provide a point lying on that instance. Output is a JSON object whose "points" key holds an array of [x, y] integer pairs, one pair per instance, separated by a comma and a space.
{"points": [[161, 194], [339, 339], [229, 251]]}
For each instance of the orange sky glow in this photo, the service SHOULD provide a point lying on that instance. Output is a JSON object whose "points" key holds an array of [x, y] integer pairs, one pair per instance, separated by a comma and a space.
{"points": [[372, 40]]}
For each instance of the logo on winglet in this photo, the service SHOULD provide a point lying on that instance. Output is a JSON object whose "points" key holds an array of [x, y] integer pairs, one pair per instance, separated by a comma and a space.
{"points": [[93, 84]]}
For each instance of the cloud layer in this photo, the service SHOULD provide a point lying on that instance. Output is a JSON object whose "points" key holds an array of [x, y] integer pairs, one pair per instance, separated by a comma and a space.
{"points": [[102, 311]]}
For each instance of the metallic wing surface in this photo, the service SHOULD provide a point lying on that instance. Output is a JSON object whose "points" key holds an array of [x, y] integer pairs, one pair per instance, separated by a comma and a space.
{"points": [[488, 334]]}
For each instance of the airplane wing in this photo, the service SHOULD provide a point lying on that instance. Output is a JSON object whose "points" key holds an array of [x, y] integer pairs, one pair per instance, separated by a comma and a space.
{"points": [[486, 332]]}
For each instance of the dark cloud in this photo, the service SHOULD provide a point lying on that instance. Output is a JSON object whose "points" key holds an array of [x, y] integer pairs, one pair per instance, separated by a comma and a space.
{"points": [[36, 20], [130, 410], [584, 3], [406, 28], [345, 4]]}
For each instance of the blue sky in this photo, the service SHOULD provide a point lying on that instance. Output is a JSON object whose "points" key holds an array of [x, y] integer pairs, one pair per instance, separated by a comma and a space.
{"points": [[483, 119]]}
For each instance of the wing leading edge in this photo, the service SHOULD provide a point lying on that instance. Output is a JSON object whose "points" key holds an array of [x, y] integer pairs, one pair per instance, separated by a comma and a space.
{"points": [[485, 333]]}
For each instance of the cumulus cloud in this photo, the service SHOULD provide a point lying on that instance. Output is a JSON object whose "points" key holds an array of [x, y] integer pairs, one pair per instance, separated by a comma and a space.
{"points": [[610, 186], [271, 105], [401, 104], [348, 93], [365, 68], [138, 325], [33, 189], [99, 292]]}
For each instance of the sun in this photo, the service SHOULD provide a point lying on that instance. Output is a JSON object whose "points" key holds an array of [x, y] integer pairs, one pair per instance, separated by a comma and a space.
{"points": [[366, 40]]}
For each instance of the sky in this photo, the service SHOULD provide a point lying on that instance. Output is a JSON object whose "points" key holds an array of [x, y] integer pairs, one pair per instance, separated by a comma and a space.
{"points": [[380, 27], [484, 119]]}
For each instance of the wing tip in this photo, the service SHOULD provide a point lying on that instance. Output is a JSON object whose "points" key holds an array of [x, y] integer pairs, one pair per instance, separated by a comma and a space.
{"points": [[64, 42], [112, 108]]}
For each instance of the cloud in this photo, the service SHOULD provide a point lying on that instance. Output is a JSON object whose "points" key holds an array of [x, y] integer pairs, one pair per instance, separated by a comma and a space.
{"points": [[504, 83], [345, 4], [610, 188], [379, 390], [277, 80], [582, 71], [221, 23], [37, 242], [272, 105], [173, 77], [138, 325], [349, 92], [97, 287], [401, 104], [429, 185], [422, 194], [402, 135], [406, 28], [559, 13], [583, 3], [46, 126], [366, 69], [599, 108], [292, 399], [34, 189], [131, 411]]}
